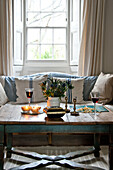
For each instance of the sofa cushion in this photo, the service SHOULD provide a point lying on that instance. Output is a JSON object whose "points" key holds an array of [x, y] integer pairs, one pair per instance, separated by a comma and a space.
{"points": [[61, 75], [10, 88], [77, 91], [104, 85], [89, 82], [3, 97], [22, 83]]}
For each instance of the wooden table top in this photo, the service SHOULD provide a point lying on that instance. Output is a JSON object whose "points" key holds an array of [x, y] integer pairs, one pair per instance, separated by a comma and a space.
{"points": [[11, 114]]}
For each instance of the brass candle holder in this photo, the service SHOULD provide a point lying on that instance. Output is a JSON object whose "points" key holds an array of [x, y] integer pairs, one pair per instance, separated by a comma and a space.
{"points": [[74, 113], [66, 110]]}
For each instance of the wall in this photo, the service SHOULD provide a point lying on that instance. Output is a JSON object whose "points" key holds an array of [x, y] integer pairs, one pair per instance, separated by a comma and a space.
{"points": [[108, 38]]}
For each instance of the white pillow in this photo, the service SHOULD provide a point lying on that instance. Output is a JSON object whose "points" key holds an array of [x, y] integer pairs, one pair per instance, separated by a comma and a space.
{"points": [[77, 91], [23, 83], [104, 85], [3, 97], [2, 80]]}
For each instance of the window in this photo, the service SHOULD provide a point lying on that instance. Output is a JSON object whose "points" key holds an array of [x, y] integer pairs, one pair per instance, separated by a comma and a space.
{"points": [[47, 30], [46, 26]]}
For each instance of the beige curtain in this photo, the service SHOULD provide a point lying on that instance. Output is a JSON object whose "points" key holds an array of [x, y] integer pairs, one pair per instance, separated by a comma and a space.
{"points": [[6, 37], [91, 48]]}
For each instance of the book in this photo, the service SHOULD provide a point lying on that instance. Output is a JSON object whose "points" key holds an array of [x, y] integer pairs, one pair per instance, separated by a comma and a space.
{"points": [[57, 112], [54, 110]]}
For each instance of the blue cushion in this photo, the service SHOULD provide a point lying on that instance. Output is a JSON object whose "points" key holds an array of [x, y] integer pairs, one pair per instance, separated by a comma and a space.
{"points": [[62, 75], [89, 83], [10, 88]]}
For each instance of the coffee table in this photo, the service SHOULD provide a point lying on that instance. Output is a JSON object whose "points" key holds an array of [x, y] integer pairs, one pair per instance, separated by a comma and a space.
{"points": [[12, 121]]}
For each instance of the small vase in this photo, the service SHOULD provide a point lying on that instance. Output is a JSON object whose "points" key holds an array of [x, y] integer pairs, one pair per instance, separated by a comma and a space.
{"points": [[53, 102]]}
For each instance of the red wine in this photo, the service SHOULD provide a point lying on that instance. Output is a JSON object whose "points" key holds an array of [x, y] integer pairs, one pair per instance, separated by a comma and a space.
{"points": [[95, 99], [29, 94]]}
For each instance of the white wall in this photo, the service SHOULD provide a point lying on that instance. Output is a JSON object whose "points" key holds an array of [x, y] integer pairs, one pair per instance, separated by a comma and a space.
{"points": [[108, 38]]}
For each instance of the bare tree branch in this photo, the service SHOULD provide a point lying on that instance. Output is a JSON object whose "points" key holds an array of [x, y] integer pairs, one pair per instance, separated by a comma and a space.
{"points": [[34, 19]]}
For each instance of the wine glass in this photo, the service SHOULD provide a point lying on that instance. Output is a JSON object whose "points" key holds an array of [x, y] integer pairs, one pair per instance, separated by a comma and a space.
{"points": [[95, 98], [29, 93]]}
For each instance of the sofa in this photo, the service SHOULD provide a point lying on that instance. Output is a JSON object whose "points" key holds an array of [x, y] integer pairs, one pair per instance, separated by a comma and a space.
{"points": [[12, 90], [9, 84]]}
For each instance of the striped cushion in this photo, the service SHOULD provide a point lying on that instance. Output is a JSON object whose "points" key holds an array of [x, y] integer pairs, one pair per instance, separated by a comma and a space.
{"points": [[22, 83], [76, 92]]}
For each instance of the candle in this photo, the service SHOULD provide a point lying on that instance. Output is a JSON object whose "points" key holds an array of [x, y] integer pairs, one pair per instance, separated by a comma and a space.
{"points": [[35, 109], [26, 108]]}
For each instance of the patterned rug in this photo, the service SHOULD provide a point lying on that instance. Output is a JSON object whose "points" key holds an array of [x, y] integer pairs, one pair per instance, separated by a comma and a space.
{"points": [[17, 160]]}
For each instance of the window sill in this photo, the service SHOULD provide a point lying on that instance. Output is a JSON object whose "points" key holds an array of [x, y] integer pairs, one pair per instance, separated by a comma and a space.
{"points": [[46, 63], [27, 70]]}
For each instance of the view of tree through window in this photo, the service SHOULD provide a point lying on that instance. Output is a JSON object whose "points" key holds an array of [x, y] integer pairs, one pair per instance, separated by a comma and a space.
{"points": [[46, 26]]}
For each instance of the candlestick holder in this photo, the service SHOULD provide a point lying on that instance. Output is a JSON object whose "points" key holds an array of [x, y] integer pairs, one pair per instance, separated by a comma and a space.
{"points": [[66, 110], [74, 113]]}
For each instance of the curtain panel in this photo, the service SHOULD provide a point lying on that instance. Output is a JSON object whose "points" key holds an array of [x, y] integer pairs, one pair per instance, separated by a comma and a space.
{"points": [[91, 47], [6, 63]]}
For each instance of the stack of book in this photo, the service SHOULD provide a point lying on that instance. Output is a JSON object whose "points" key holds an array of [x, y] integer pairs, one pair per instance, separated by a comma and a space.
{"points": [[54, 112]]}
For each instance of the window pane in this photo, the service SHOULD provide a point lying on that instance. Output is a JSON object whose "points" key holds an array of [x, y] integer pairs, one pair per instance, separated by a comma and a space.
{"points": [[60, 5], [59, 36], [46, 36], [59, 52], [33, 19], [33, 5], [53, 19], [59, 19], [46, 19], [46, 52], [33, 52], [33, 36], [47, 5]]}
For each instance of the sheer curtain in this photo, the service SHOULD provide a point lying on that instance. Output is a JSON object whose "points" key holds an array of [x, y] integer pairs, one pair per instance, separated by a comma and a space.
{"points": [[91, 48], [6, 65]]}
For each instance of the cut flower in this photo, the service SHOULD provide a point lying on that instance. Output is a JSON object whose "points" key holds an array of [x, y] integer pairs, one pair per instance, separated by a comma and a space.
{"points": [[55, 87]]}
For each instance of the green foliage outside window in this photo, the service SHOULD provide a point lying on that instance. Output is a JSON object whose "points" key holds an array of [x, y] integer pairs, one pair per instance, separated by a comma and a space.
{"points": [[47, 55]]}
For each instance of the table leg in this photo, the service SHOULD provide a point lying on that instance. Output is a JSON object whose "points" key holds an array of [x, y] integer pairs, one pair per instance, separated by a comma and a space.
{"points": [[1, 146], [1, 156], [9, 144], [97, 145], [111, 152]]}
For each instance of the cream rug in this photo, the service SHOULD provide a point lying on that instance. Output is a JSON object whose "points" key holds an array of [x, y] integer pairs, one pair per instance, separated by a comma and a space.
{"points": [[16, 160]]}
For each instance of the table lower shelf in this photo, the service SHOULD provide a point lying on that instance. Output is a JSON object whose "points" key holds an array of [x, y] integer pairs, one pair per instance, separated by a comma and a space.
{"points": [[61, 160]]}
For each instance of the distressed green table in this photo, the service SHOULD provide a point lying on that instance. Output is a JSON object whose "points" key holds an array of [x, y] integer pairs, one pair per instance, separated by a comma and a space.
{"points": [[12, 121]]}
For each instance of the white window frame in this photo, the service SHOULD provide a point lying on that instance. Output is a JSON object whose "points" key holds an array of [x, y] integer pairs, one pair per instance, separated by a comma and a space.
{"points": [[49, 63], [58, 65]]}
